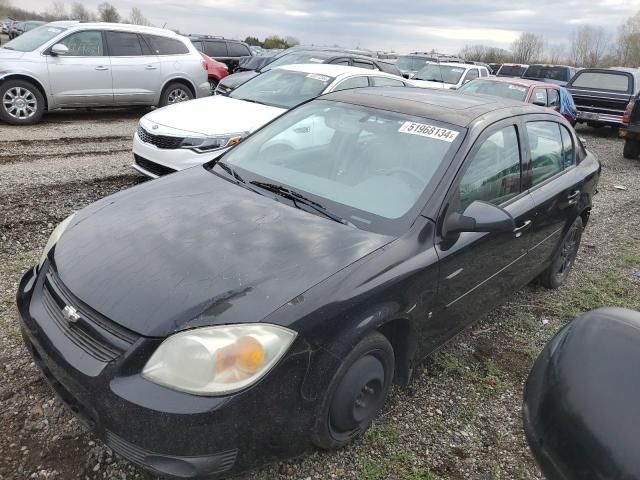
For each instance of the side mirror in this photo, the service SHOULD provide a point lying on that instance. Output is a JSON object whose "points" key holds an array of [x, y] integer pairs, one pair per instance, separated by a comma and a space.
{"points": [[479, 217], [581, 399], [59, 49]]}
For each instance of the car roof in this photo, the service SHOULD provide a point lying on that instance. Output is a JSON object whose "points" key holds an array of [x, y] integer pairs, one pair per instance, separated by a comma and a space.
{"points": [[444, 105], [333, 70], [524, 82], [115, 26]]}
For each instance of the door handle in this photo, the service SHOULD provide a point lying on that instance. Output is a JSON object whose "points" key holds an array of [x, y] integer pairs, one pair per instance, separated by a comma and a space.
{"points": [[573, 197], [518, 230], [151, 67], [102, 67]]}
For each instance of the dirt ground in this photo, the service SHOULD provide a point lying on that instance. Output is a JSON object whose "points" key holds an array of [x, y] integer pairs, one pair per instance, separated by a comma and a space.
{"points": [[460, 418]]}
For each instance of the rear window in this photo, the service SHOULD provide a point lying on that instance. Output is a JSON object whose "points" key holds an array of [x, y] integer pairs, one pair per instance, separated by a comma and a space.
{"points": [[166, 46], [617, 82], [511, 71], [551, 73], [496, 89], [216, 49], [238, 50]]}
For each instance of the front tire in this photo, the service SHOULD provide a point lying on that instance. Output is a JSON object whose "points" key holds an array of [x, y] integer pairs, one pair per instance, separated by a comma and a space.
{"points": [[631, 148], [356, 393], [175, 92], [21, 103], [556, 274]]}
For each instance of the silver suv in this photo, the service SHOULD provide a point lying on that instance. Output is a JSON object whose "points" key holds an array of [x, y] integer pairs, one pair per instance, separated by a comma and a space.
{"points": [[72, 64]]}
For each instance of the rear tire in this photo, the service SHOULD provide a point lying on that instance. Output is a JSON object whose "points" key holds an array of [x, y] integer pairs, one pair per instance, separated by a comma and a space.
{"points": [[21, 103], [556, 274], [356, 393], [631, 148], [175, 92]]}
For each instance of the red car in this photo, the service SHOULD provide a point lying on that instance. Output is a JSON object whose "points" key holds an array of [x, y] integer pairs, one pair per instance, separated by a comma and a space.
{"points": [[216, 70], [530, 91]]}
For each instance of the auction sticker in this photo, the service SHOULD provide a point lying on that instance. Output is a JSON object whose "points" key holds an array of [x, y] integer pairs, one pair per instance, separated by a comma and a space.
{"points": [[315, 76], [430, 131]]}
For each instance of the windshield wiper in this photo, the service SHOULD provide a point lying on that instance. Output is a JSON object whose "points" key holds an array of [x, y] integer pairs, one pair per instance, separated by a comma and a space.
{"points": [[296, 197], [249, 100], [230, 171], [8, 48]]}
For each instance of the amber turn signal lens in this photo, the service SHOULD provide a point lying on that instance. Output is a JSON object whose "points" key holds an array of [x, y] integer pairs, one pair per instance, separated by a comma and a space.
{"points": [[234, 141], [245, 354]]}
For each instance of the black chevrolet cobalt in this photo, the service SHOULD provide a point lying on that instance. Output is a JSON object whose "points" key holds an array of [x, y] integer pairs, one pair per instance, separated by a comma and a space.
{"points": [[249, 308]]}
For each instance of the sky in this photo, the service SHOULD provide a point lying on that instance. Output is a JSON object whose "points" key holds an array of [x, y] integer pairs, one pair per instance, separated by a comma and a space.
{"points": [[398, 25]]}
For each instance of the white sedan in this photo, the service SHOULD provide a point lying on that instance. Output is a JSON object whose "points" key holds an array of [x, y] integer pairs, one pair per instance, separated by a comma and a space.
{"points": [[192, 133], [448, 75]]}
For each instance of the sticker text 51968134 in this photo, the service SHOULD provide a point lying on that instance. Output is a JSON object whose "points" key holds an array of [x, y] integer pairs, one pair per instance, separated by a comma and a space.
{"points": [[430, 131]]}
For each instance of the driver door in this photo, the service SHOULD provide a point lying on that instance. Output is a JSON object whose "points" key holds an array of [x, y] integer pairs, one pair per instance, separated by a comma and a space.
{"points": [[479, 270], [82, 77]]}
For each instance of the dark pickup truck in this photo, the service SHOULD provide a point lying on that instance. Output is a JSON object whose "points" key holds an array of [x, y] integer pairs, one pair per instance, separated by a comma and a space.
{"points": [[601, 95], [630, 130]]}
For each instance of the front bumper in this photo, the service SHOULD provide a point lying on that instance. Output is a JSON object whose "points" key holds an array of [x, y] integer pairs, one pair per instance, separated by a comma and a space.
{"points": [[155, 162], [168, 432]]}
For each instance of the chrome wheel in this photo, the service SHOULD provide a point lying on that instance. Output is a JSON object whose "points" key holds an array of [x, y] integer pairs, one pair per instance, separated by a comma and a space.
{"points": [[20, 103], [177, 95]]}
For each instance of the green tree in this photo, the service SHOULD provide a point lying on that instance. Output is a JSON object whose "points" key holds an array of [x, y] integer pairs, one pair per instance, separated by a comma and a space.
{"points": [[253, 41]]}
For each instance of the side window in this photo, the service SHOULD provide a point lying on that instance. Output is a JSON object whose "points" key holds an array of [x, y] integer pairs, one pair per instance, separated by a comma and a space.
{"points": [[553, 97], [386, 82], [539, 97], [493, 173], [362, 64], [124, 44], [483, 72], [545, 144], [167, 46], [198, 45], [238, 50], [471, 75], [353, 82], [215, 49], [84, 44], [568, 157], [340, 61]]}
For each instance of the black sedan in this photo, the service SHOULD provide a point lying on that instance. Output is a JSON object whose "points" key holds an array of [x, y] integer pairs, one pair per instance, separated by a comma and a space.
{"points": [[264, 302]]}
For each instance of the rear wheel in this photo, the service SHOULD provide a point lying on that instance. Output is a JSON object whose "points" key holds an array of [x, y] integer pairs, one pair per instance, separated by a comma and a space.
{"points": [[565, 257], [356, 394], [175, 92], [21, 103], [631, 148]]}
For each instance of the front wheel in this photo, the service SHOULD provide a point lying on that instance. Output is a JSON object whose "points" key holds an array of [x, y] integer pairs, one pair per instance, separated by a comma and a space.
{"points": [[21, 103], [556, 274], [356, 393], [631, 148], [175, 92]]}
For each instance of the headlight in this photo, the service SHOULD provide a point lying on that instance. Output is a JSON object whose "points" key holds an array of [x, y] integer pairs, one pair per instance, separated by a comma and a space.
{"points": [[55, 236], [218, 360], [208, 144]]}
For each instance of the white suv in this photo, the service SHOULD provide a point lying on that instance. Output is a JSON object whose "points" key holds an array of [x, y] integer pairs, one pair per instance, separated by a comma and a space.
{"points": [[448, 75], [72, 64]]}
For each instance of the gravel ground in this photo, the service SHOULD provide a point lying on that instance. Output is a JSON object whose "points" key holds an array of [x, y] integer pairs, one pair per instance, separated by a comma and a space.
{"points": [[460, 418]]}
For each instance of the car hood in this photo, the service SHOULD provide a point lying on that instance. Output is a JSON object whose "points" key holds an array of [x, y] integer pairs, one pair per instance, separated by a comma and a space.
{"points": [[236, 79], [6, 54], [214, 115], [428, 84], [192, 249]]}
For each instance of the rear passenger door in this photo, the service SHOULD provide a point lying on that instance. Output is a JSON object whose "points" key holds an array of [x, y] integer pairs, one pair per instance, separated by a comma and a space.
{"points": [[137, 77], [554, 184]]}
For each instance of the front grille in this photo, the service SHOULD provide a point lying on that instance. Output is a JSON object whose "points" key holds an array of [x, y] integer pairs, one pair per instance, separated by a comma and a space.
{"points": [[98, 336], [152, 167], [161, 141]]}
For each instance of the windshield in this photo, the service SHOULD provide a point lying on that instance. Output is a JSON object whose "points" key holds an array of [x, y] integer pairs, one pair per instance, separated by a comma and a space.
{"points": [[282, 88], [511, 71], [293, 59], [551, 73], [368, 166], [412, 64], [497, 89], [435, 72], [29, 41]]}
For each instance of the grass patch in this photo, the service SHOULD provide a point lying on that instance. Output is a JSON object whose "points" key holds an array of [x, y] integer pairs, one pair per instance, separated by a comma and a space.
{"points": [[401, 466], [382, 435]]}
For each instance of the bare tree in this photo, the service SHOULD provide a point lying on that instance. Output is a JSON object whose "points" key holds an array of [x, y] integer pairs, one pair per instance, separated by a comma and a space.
{"points": [[527, 48], [108, 13], [628, 42], [57, 10], [80, 12], [588, 46], [556, 53], [137, 18]]}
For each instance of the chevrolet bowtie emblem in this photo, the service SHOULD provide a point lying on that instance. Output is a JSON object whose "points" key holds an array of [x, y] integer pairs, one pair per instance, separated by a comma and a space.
{"points": [[154, 127], [70, 314]]}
